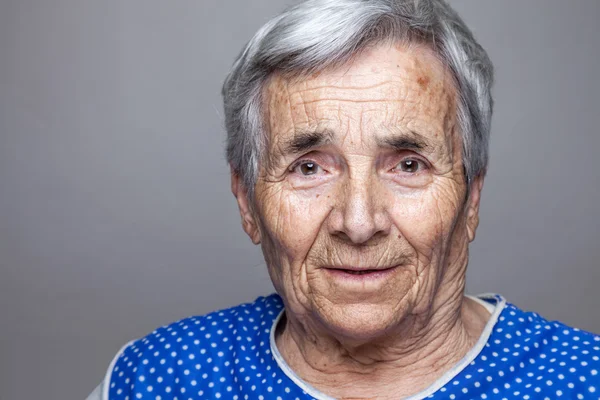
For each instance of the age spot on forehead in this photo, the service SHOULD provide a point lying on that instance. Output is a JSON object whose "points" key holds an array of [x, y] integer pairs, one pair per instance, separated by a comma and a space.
{"points": [[423, 81]]}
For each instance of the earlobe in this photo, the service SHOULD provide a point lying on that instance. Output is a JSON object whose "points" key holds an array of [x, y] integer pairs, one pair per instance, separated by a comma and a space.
{"points": [[248, 220], [473, 207]]}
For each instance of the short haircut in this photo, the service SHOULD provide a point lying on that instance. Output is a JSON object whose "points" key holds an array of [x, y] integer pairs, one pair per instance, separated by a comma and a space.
{"points": [[319, 34]]}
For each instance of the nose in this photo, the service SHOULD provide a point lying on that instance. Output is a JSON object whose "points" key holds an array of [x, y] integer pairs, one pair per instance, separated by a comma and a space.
{"points": [[360, 214]]}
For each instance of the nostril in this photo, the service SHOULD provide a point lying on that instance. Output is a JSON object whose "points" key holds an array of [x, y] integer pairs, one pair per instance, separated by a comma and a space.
{"points": [[359, 215]]}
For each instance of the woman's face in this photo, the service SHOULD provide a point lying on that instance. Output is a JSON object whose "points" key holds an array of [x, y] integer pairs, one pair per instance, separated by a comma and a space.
{"points": [[360, 203]]}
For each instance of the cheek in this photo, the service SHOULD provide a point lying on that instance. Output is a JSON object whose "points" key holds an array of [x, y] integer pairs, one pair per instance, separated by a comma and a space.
{"points": [[293, 220], [425, 221]]}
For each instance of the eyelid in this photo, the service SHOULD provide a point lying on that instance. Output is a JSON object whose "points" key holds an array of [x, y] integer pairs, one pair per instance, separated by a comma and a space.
{"points": [[317, 157]]}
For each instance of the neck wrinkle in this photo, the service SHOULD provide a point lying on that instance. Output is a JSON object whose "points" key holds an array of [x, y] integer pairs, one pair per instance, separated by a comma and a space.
{"points": [[421, 358]]}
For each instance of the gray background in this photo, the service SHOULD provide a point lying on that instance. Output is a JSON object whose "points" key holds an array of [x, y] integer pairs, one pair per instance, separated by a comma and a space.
{"points": [[115, 211]]}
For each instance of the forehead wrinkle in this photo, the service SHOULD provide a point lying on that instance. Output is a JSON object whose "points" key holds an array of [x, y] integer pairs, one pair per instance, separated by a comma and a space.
{"points": [[419, 106], [361, 131], [277, 95], [325, 87], [392, 88], [410, 94]]}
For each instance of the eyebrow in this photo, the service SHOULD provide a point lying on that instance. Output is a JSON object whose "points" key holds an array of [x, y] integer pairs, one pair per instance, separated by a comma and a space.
{"points": [[306, 140], [409, 140]]}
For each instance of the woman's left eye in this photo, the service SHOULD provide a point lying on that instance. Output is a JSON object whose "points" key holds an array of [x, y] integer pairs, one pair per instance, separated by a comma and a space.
{"points": [[410, 165]]}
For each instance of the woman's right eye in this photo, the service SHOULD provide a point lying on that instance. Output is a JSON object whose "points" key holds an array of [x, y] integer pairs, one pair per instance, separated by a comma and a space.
{"points": [[307, 168]]}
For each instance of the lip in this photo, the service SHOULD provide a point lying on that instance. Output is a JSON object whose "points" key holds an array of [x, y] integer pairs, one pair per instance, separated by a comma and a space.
{"points": [[361, 274], [355, 268]]}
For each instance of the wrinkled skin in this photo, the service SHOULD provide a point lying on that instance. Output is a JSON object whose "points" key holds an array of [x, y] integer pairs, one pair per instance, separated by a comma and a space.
{"points": [[352, 199]]}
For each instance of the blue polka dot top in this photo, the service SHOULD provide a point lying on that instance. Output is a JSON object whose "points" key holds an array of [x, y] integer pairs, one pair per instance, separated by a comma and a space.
{"points": [[231, 354]]}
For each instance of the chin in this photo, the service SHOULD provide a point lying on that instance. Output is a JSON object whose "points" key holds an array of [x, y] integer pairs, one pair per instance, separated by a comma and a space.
{"points": [[360, 322]]}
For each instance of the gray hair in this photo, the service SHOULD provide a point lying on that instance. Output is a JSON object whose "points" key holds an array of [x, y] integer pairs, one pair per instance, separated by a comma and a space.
{"points": [[319, 34]]}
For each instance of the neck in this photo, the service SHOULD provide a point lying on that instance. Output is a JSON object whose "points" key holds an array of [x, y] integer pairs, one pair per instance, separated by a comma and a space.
{"points": [[402, 362]]}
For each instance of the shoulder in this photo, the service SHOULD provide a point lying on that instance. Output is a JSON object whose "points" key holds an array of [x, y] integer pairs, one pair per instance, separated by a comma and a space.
{"points": [[535, 328], [548, 355], [195, 346]]}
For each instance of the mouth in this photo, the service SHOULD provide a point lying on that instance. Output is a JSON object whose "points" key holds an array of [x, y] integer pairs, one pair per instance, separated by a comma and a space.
{"points": [[364, 272], [361, 273]]}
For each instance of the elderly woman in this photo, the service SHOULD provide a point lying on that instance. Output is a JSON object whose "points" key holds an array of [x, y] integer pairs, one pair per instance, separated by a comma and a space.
{"points": [[358, 142]]}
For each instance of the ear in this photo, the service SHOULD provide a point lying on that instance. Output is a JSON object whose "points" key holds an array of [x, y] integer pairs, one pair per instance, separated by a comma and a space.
{"points": [[248, 220], [473, 207]]}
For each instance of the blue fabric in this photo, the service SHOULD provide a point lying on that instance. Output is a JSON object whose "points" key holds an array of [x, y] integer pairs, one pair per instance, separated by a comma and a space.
{"points": [[226, 354]]}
